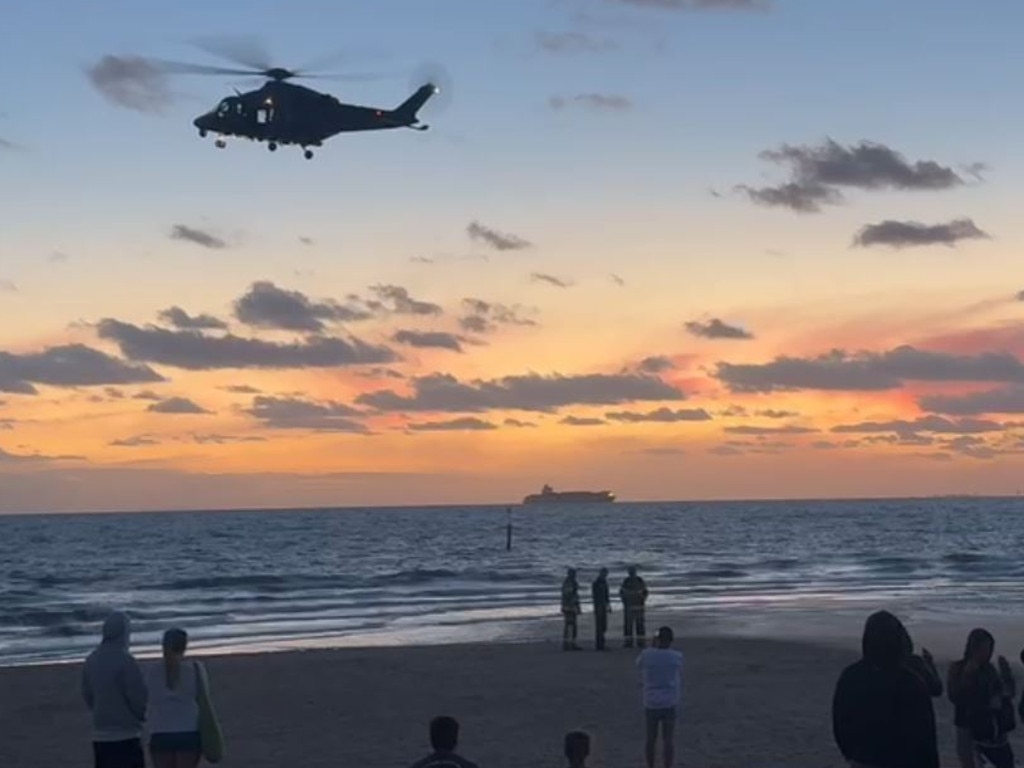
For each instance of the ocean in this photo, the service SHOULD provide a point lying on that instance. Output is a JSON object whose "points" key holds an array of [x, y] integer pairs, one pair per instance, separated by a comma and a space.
{"points": [[260, 580]]}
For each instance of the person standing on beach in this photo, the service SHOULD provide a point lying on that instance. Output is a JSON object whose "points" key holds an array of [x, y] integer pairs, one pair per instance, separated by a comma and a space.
{"points": [[570, 610], [982, 698], [634, 598], [444, 738], [577, 749], [661, 669], [923, 665], [602, 607], [173, 714], [882, 713], [115, 692]]}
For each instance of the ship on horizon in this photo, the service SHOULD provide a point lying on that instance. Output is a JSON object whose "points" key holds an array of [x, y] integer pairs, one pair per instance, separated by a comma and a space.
{"points": [[549, 495]]}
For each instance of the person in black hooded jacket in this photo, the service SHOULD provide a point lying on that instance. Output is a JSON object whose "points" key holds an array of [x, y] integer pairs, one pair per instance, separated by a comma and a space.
{"points": [[882, 714]]}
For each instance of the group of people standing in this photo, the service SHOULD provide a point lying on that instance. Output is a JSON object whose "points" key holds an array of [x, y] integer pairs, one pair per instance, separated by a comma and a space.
{"points": [[633, 595], [882, 711]]}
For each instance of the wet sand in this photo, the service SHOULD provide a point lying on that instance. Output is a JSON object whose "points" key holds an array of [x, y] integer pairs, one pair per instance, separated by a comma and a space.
{"points": [[747, 702]]}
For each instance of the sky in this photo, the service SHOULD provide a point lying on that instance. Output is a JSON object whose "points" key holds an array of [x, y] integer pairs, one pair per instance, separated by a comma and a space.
{"points": [[675, 249]]}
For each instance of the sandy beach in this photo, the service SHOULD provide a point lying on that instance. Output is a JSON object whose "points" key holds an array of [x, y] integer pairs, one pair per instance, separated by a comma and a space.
{"points": [[748, 702]]}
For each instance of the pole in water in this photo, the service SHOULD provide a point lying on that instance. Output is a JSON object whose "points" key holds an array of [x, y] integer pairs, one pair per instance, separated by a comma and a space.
{"points": [[508, 532]]}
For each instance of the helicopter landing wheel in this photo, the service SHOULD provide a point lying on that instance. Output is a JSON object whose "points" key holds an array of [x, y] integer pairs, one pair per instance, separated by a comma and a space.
{"points": [[308, 154], [220, 143], [202, 133], [272, 146]]}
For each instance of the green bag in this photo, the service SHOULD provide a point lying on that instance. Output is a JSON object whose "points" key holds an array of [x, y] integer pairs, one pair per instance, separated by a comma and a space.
{"points": [[211, 738]]}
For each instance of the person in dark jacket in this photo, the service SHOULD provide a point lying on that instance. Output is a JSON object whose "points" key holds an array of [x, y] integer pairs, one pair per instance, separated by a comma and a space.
{"points": [[882, 714], [570, 610], [923, 665], [982, 698], [602, 607], [633, 594]]}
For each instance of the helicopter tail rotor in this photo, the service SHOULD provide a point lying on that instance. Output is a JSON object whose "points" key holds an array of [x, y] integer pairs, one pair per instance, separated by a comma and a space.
{"points": [[435, 81]]}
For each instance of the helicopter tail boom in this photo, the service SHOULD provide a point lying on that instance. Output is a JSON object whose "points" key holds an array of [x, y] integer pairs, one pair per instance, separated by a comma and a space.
{"points": [[407, 110]]}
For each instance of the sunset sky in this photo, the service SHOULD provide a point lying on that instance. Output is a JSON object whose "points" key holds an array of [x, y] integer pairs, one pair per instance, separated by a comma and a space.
{"points": [[672, 248]]}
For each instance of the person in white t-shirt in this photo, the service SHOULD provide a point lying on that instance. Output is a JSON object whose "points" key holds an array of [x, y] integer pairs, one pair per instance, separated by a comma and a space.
{"points": [[661, 668], [173, 713]]}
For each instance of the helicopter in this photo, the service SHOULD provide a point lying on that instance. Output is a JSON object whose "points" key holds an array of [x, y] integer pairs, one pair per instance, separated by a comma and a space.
{"points": [[281, 113]]}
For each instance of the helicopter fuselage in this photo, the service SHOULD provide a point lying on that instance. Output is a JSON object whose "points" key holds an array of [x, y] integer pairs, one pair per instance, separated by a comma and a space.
{"points": [[287, 114]]}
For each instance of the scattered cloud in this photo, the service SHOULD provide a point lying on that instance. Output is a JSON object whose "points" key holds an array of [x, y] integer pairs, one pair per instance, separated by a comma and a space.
{"points": [[25, 458], [10, 146], [178, 318], [296, 413], [241, 389], [1003, 400], [8, 286], [819, 173], [529, 392], [770, 413], [139, 441], [662, 415], [58, 257], [193, 351], [656, 364], [1020, 296], [481, 316], [429, 340], [557, 282], [178, 405], [70, 365], [499, 241], [465, 424], [573, 42], [265, 305], [396, 299], [751, 429], [582, 421], [519, 424], [215, 439], [931, 424], [616, 279], [147, 394], [604, 102], [717, 329], [869, 371], [197, 236], [380, 373], [306, 240], [131, 82], [908, 234]]}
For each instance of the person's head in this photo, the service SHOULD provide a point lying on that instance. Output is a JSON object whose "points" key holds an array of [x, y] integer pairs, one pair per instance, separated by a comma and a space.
{"points": [[570, 573], [577, 747], [117, 629], [885, 639], [631, 570], [980, 645], [175, 643], [665, 637], [444, 734], [603, 573]]}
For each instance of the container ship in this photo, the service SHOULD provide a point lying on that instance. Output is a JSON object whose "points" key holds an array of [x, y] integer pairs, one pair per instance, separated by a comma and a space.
{"points": [[549, 495]]}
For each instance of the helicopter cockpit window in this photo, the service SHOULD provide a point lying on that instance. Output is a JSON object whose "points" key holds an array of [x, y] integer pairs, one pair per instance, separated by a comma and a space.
{"points": [[224, 108]]}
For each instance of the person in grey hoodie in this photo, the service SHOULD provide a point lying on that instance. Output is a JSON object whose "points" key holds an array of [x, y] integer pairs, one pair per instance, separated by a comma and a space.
{"points": [[115, 692]]}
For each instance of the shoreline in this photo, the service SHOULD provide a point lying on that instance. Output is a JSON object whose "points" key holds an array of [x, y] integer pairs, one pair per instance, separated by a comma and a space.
{"points": [[745, 701]]}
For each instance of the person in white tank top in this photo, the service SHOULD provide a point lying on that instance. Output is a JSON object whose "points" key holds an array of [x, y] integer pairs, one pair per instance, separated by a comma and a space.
{"points": [[172, 716]]}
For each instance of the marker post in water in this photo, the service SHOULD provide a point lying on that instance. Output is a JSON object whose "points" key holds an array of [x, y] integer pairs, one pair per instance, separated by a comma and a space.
{"points": [[508, 531]]}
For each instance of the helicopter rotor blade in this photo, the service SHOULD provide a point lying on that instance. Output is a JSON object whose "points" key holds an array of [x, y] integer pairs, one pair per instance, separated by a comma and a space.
{"points": [[352, 77], [244, 50], [183, 68]]}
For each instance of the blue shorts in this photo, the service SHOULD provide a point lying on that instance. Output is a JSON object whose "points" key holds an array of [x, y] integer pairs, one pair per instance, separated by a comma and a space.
{"points": [[175, 742]]}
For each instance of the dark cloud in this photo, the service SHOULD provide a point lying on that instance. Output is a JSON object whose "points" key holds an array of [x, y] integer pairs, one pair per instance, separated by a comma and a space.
{"points": [[241, 389], [541, 277], [933, 424], [71, 365], [573, 42], [178, 318], [28, 458], [481, 316], [265, 305], [197, 236], [499, 241], [193, 351], [178, 405], [770, 413], [582, 421], [396, 299], [131, 82], [909, 234], [818, 174], [306, 240], [662, 415], [429, 340], [139, 441], [604, 102], [465, 424], [215, 439], [147, 394], [717, 329], [656, 364], [519, 424], [750, 429], [869, 371], [381, 373], [530, 392], [1004, 400], [295, 413], [699, 5]]}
